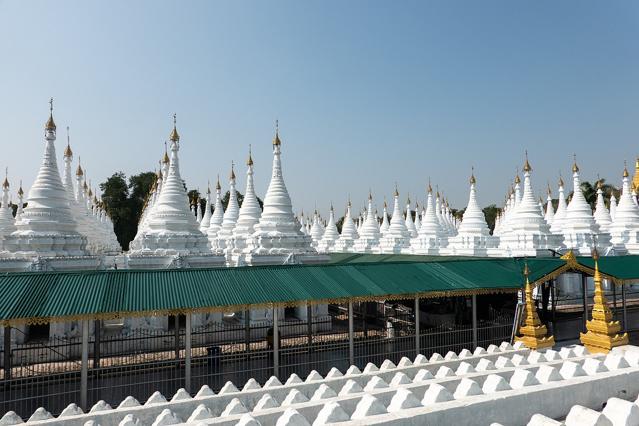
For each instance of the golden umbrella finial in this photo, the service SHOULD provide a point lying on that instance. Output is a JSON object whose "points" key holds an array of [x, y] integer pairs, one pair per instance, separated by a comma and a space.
{"points": [[67, 151], [575, 167], [561, 180], [472, 175], [174, 137], [20, 191], [50, 124], [217, 185], [276, 140], [625, 169], [165, 158], [430, 188], [249, 162], [5, 184], [79, 171], [232, 170], [527, 167], [396, 191]]}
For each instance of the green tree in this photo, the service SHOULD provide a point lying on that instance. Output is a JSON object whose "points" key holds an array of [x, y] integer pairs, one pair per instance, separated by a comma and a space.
{"points": [[115, 196], [490, 213]]}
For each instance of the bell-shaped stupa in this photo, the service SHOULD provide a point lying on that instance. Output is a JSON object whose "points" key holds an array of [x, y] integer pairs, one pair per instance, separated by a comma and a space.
{"points": [[46, 227]]}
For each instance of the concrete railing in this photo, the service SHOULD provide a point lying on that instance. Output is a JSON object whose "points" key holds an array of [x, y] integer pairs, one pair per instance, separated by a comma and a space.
{"points": [[498, 384]]}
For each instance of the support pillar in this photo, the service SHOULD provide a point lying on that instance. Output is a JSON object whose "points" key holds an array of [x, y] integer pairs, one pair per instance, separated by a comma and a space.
{"points": [[176, 339], [247, 331], [553, 294], [309, 323], [96, 343], [187, 354], [625, 311], [584, 293], [351, 334], [276, 343], [614, 297], [474, 302], [417, 327], [7, 353], [84, 367]]}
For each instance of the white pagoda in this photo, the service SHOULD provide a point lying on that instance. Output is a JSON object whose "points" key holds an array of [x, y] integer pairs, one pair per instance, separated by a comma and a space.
{"points": [[624, 228], [431, 237]]}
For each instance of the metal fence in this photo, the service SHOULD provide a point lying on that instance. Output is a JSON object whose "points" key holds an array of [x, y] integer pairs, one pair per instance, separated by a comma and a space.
{"points": [[111, 365]]}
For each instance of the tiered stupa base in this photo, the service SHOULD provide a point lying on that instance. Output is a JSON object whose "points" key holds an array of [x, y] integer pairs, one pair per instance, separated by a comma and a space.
{"points": [[31, 244], [582, 243], [394, 245]]}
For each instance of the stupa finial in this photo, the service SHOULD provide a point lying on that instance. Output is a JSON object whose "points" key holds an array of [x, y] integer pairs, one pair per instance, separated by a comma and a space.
{"points": [[249, 162], [50, 125], [575, 167], [472, 176], [527, 167], [174, 137], [276, 140], [67, 151]]}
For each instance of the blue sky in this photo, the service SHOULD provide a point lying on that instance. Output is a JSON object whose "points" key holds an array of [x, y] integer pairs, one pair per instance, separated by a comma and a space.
{"points": [[368, 93]]}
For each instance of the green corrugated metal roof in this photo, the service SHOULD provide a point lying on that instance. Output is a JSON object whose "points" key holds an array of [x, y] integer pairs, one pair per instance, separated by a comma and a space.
{"points": [[619, 268], [44, 296]]}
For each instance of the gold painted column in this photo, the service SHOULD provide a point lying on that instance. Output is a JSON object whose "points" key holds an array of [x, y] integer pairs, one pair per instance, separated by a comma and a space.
{"points": [[533, 332], [603, 333]]}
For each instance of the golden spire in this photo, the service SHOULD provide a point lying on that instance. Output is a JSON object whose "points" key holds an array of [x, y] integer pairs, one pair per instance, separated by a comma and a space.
{"points": [[430, 188], [599, 183], [625, 169], [396, 193], [85, 187], [533, 332], [561, 180], [527, 167], [5, 184], [549, 190], [249, 162], [67, 151], [217, 185], [232, 170], [20, 191], [276, 139], [385, 205], [603, 332], [370, 195], [174, 137], [575, 167], [166, 159], [50, 125], [208, 189], [79, 171], [408, 199], [472, 176], [517, 179]]}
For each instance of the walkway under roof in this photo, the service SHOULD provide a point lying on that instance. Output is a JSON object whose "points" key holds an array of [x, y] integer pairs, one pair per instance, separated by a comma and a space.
{"points": [[40, 297]]}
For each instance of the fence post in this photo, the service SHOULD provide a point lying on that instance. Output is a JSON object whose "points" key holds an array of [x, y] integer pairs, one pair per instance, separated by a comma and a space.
{"points": [[309, 318], [7, 351], [247, 330], [584, 288], [623, 301], [176, 340], [276, 343], [474, 302], [351, 334], [84, 372], [417, 327], [96, 344], [187, 354]]}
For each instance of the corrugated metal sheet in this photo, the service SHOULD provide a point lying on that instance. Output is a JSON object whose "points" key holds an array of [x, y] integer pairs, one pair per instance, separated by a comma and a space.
{"points": [[59, 295]]}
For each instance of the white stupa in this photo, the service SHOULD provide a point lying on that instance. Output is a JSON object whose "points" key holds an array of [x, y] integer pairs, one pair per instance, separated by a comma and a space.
{"points": [[349, 234], [277, 237], [172, 229], [624, 229], [46, 227], [7, 225], [206, 217], [369, 236], [431, 238], [218, 213], [473, 237], [550, 211], [317, 229], [613, 206], [331, 235], [581, 232], [602, 215], [249, 215], [560, 215], [528, 233], [410, 225], [397, 238], [383, 227], [222, 240], [20, 208], [418, 222]]}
